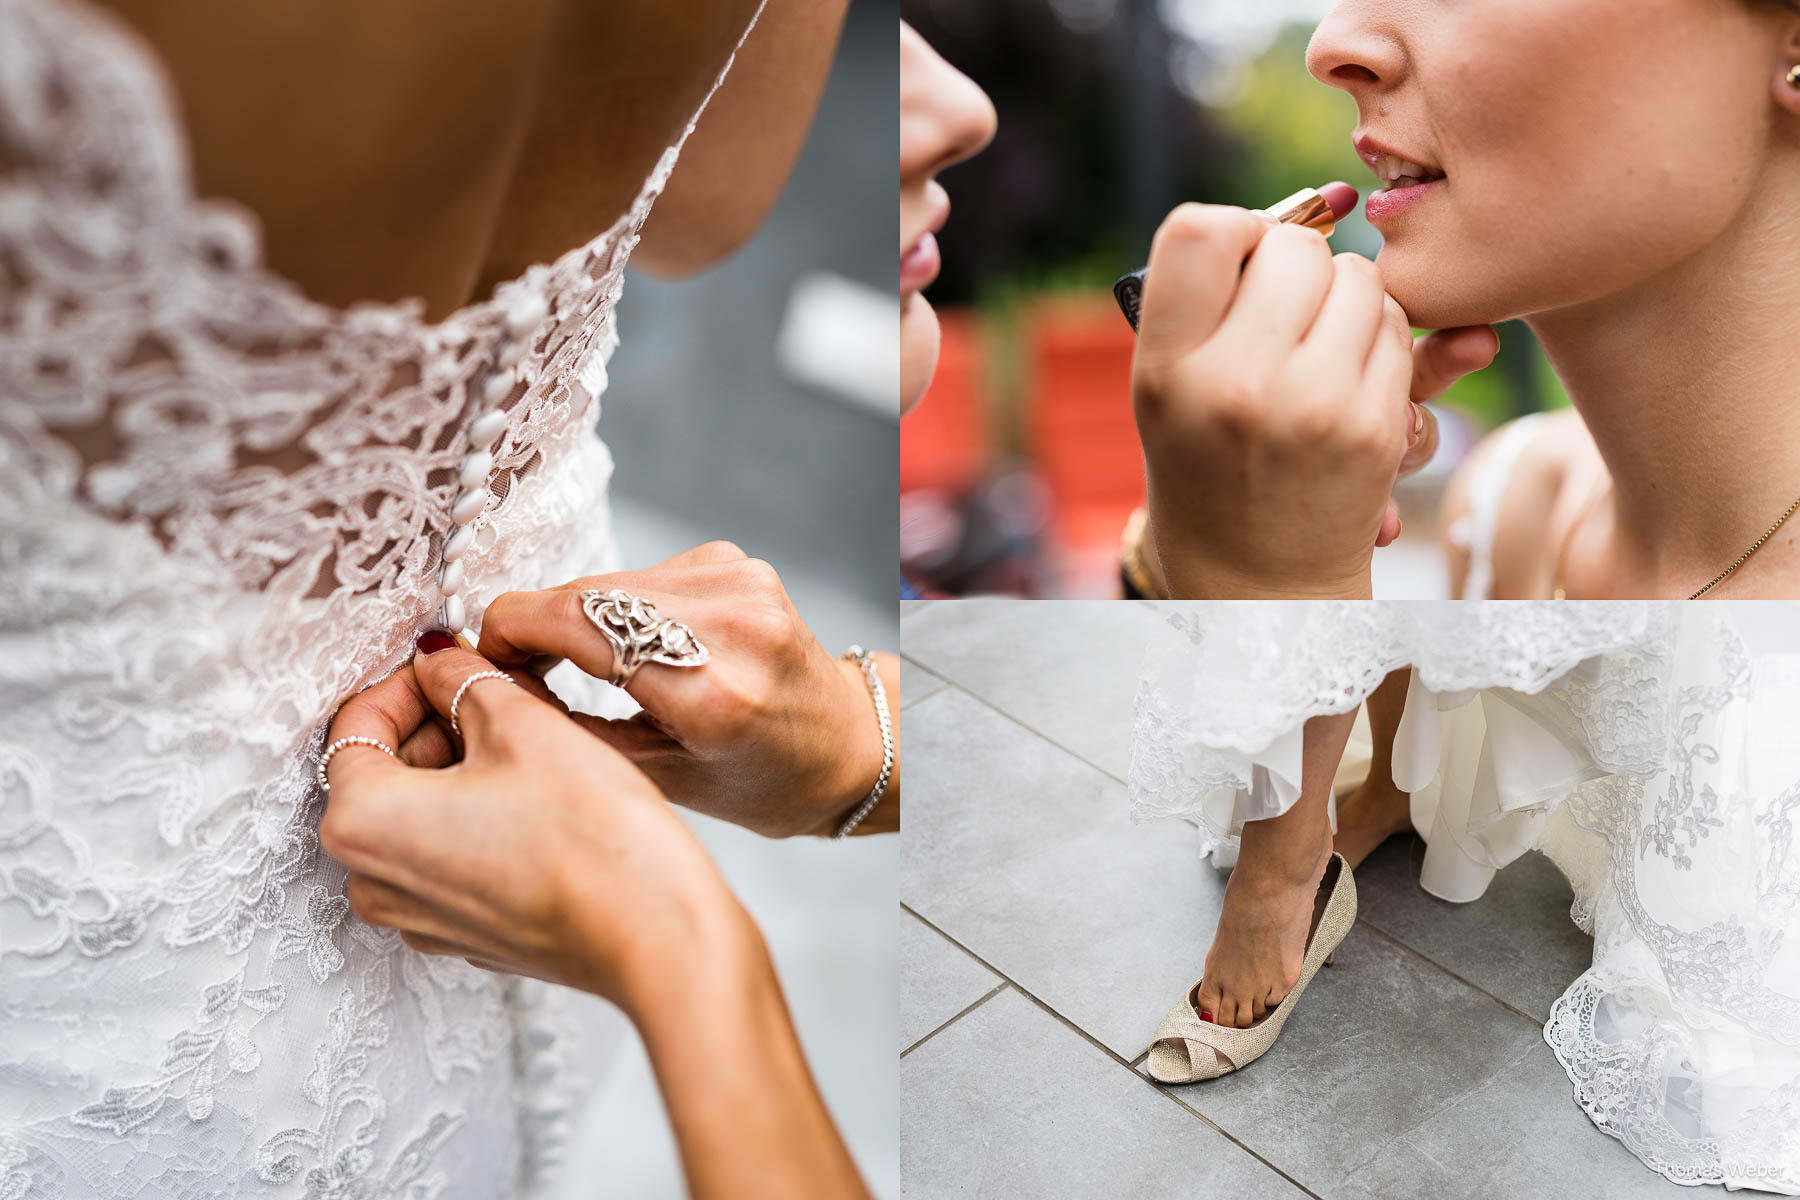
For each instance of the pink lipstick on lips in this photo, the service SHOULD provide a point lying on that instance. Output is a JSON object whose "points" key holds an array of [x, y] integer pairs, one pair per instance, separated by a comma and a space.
{"points": [[1319, 209], [1417, 180]]}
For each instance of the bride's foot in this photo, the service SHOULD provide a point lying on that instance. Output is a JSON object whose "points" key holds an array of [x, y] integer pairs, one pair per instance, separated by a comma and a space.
{"points": [[1368, 817], [1271, 906]]}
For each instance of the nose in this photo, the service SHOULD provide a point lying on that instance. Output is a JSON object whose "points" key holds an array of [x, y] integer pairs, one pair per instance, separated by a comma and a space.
{"points": [[945, 117], [1353, 49]]}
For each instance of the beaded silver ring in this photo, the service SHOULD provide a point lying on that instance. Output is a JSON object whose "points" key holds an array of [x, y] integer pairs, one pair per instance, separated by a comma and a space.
{"points": [[331, 751], [456, 701]]}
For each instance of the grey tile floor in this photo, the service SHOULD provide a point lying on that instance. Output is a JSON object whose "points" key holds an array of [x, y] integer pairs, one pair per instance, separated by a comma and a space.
{"points": [[1043, 935]]}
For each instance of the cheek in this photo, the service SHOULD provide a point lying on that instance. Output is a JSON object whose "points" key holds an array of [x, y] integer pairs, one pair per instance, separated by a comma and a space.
{"points": [[918, 349], [1573, 175]]}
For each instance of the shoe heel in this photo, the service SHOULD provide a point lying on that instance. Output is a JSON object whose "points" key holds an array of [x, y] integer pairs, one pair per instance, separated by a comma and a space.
{"points": [[1330, 957]]}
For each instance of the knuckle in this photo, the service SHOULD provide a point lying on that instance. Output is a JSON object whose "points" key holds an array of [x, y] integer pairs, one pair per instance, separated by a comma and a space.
{"points": [[721, 550], [366, 901], [759, 578]]}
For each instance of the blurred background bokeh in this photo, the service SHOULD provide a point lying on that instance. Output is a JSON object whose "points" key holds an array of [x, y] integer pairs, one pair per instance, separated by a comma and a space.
{"points": [[1019, 468], [753, 402]]}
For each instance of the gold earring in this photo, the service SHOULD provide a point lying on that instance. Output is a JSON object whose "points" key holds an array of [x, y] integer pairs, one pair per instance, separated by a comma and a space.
{"points": [[1793, 75]]}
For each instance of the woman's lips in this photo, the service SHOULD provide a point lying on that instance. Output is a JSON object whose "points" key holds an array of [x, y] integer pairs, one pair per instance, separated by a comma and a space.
{"points": [[1389, 202], [919, 265]]}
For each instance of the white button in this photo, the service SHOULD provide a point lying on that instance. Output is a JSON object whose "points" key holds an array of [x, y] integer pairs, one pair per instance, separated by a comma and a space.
{"points": [[455, 617], [475, 467], [510, 351], [452, 581], [485, 430], [457, 544], [468, 506], [497, 387], [526, 313]]}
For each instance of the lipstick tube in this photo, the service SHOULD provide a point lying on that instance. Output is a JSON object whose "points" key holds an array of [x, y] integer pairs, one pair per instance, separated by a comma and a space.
{"points": [[1306, 207]]}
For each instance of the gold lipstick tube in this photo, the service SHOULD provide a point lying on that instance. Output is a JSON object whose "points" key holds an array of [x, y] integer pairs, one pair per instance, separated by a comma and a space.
{"points": [[1305, 207]]}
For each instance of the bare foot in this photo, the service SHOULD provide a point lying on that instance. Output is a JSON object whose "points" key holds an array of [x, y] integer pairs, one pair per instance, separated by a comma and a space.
{"points": [[1370, 816], [1260, 944]]}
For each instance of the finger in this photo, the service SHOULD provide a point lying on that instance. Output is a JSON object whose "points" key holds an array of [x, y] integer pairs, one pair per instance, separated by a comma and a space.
{"points": [[701, 555], [1424, 441], [1390, 526], [430, 746], [637, 737], [488, 705], [1388, 374], [1351, 315], [521, 626], [389, 712], [1195, 262], [1288, 276], [1443, 356]]}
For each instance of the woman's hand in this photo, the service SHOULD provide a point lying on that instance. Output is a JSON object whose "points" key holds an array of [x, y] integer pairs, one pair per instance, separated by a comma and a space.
{"points": [[1274, 407], [774, 733], [543, 852]]}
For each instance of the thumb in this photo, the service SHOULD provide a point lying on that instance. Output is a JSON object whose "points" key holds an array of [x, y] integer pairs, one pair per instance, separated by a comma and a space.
{"points": [[473, 695], [1443, 356]]}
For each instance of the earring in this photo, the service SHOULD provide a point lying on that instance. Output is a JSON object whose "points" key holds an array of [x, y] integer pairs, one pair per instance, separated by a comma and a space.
{"points": [[1793, 76]]}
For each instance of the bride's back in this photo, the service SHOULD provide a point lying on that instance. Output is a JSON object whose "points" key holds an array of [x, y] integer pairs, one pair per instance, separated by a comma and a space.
{"points": [[409, 149], [226, 503]]}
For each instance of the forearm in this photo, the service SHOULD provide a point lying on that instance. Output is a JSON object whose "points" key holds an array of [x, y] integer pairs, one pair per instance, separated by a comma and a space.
{"points": [[747, 1116]]}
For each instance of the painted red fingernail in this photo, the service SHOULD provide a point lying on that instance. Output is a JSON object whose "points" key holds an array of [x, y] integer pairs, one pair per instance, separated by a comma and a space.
{"points": [[1206, 1016], [433, 640]]}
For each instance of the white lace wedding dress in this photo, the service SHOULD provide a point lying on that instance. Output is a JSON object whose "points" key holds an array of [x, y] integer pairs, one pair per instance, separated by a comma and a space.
{"points": [[223, 509], [1648, 748]]}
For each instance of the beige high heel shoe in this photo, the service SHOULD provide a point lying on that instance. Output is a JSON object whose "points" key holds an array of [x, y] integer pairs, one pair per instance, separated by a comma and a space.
{"points": [[1188, 1049]]}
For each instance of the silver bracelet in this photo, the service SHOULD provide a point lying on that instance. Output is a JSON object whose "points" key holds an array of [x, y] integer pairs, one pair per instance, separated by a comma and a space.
{"points": [[877, 693]]}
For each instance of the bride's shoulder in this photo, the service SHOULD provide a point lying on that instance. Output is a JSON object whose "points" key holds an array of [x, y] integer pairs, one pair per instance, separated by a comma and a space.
{"points": [[1506, 499]]}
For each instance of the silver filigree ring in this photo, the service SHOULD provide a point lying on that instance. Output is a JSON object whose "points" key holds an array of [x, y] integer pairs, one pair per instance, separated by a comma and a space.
{"points": [[638, 635]]}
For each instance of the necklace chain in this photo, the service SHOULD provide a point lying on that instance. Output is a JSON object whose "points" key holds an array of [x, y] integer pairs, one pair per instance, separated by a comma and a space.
{"points": [[1563, 550]]}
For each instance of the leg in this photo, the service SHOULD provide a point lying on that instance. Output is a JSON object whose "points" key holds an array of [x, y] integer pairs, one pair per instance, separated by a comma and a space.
{"points": [[1377, 810], [1273, 891]]}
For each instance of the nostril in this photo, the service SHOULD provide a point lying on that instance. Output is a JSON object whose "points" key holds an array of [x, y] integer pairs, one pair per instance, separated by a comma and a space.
{"points": [[1353, 73]]}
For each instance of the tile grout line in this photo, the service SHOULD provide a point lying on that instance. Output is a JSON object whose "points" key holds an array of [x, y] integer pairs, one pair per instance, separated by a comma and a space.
{"points": [[1089, 1038], [952, 685], [1470, 984], [991, 993]]}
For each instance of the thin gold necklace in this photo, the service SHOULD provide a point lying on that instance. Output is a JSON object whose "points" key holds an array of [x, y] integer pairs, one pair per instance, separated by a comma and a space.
{"points": [[1562, 551]]}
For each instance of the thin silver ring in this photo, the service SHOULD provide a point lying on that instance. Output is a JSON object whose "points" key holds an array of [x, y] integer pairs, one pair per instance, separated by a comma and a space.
{"points": [[456, 701], [638, 634], [331, 751]]}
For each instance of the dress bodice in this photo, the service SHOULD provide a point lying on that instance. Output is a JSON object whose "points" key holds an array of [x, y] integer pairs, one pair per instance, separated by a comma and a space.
{"points": [[224, 508]]}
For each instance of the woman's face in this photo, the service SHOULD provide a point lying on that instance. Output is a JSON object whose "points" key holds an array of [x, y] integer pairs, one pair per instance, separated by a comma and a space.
{"points": [[1586, 145], [944, 118]]}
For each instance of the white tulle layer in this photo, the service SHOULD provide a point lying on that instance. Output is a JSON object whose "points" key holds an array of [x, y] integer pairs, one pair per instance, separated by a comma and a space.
{"points": [[1646, 748]]}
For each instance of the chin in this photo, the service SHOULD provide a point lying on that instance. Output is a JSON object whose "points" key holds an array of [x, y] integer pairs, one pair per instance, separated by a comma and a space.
{"points": [[918, 349], [1438, 294]]}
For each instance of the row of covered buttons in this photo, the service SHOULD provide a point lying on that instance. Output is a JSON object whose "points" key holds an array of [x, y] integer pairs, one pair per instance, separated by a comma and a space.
{"points": [[522, 315]]}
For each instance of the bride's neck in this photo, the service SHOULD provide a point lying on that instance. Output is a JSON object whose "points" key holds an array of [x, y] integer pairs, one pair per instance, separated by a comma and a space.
{"points": [[1690, 386]]}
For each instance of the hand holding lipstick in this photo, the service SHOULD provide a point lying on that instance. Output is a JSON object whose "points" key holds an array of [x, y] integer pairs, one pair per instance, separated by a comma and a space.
{"points": [[1275, 387]]}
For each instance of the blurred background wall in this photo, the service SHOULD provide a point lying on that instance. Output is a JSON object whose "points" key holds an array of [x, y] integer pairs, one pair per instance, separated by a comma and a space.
{"points": [[1020, 466], [716, 435]]}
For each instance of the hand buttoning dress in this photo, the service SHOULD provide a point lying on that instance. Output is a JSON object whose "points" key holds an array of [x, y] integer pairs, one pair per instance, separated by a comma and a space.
{"points": [[224, 509]]}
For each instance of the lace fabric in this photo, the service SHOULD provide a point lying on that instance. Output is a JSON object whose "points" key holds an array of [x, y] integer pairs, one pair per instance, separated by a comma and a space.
{"points": [[1646, 748], [222, 511]]}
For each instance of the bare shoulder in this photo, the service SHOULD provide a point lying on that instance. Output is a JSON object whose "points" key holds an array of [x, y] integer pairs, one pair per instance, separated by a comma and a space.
{"points": [[1557, 453]]}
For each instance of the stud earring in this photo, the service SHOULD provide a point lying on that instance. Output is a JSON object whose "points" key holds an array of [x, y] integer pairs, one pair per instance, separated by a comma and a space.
{"points": [[1793, 76]]}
